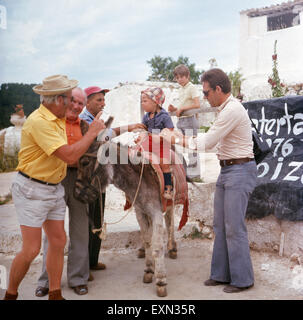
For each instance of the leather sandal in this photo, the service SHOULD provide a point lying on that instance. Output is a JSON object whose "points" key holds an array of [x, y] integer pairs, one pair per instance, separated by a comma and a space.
{"points": [[41, 292], [81, 290]]}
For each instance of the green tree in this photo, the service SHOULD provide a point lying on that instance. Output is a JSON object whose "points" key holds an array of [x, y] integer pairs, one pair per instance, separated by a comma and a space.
{"points": [[236, 79], [162, 69]]}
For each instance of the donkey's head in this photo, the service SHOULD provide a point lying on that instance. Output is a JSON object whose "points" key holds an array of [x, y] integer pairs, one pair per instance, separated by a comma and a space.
{"points": [[92, 177]]}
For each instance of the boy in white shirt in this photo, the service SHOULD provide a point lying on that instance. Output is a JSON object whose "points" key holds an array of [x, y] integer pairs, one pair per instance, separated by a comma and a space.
{"points": [[188, 99]]}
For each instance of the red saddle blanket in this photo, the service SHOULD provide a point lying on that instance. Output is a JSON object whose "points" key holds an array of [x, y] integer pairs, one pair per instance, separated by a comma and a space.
{"points": [[177, 169]]}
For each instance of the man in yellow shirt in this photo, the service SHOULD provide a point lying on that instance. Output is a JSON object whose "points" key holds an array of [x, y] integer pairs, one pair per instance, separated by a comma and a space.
{"points": [[37, 192], [77, 260]]}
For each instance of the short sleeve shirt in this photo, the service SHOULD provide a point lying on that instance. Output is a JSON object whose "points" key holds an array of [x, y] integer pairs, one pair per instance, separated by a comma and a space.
{"points": [[42, 134], [86, 116], [160, 121], [89, 118], [73, 131], [187, 94]]}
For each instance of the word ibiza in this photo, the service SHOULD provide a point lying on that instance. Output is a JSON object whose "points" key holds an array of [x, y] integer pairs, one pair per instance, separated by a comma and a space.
{"points": [[3, 23]]}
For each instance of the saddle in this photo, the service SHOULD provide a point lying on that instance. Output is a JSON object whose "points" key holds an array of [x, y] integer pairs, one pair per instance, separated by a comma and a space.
{"points": [[153, 156]]}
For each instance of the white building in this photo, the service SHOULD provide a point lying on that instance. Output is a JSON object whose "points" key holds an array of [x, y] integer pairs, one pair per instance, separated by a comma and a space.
{"points": [[259, 28]]}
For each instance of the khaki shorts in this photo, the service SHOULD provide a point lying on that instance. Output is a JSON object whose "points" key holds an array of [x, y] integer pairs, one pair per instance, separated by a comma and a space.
{"points": [[36, 202]]}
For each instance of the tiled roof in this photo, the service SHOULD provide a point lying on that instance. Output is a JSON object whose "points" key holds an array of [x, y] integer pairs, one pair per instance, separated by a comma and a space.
{"points": [[285, 6]]}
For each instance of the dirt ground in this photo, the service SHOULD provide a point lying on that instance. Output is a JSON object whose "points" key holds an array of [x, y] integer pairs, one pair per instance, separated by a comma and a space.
{"points": [[276, 278]]}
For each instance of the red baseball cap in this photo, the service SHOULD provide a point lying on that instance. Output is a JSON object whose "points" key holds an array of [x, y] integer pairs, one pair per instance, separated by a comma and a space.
{"points": [[92, 90]]}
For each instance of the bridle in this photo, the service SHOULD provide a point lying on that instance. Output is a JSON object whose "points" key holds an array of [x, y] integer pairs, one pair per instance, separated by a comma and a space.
{"points": [[97, 191], [89, 186], [97, 168]]}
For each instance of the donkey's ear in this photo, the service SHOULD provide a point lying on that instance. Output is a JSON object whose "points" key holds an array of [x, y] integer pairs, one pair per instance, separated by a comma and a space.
{"points": [[84, 127]]}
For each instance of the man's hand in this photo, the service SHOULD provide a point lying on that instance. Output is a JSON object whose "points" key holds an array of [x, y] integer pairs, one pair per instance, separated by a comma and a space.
{"points": [[179, 112], [96, 126], [171, 108]]}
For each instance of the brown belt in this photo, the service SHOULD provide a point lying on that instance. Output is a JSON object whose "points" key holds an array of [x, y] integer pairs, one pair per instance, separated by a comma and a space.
{"points": [[231, 162]]}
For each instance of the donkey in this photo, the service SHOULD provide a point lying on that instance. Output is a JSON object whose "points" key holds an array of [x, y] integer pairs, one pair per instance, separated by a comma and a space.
{"points": [[93, 176]]}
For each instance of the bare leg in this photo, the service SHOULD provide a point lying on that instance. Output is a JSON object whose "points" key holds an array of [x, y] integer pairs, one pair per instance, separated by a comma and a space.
{"points": [[31, 242], [54, 230], [168, 193]]}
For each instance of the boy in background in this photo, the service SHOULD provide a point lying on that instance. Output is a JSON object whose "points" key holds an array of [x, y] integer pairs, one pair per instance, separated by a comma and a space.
{"points": [[188, 99]]}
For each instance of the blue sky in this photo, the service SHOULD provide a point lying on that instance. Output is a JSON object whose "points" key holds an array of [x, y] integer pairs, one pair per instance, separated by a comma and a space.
{"points": [[104, 42]]}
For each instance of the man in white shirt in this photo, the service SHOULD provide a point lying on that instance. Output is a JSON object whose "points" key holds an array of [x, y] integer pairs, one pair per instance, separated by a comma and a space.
{"points": [[231, 134]]}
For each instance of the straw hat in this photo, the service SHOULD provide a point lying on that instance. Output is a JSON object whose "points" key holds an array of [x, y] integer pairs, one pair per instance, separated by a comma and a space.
{"points": [[54, 85]]}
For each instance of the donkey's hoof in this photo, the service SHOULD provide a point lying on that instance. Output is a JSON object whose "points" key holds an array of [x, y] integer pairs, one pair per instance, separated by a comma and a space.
{"points": [[173, 254], [161, 291], [148, 277], [141, 253]]}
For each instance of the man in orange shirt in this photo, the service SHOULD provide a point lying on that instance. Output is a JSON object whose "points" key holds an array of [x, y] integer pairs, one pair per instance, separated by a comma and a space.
{"points": [[78, 258]]}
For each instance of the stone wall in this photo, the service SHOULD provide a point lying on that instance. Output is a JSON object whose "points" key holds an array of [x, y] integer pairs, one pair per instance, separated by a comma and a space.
{"points": [[123, 102], [267, 234]]}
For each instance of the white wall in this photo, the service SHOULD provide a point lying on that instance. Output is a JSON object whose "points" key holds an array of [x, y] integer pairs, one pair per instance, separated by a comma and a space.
{"points": [[257, 46], [123, 102]]}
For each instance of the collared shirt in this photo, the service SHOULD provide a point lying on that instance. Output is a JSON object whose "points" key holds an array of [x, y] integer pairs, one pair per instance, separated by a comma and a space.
{"points": [[160, 121], [73, 131], [89, 118], [42, 134], [86, 115], [231, 133], [187, 95]]}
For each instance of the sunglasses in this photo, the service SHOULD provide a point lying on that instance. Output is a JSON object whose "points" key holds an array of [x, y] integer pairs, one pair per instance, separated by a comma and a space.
{"points": [[206, 93]]}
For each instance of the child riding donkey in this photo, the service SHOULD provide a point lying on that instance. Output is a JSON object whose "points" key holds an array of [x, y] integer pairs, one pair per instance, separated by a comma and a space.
{"points": [[155, 120]]}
